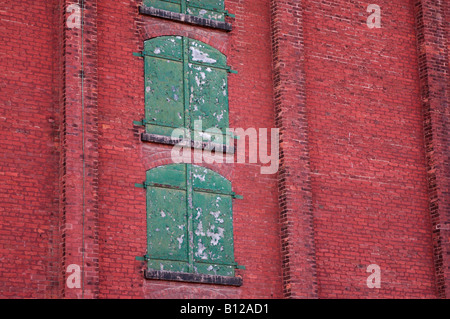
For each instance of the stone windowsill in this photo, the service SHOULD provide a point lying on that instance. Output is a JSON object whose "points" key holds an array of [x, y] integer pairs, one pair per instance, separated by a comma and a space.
{"points": [[155, 138], [186, 18], [193, 278]]}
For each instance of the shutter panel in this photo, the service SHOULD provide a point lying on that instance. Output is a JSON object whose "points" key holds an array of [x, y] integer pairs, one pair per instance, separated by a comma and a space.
{"points": [[216, 5], [213, 234], [164, 85], [212, 223], [208, 83], [204, 179], [167, 233], [169, 5], [208, 9], [168, 240], [202, 53], [173, 176], [209, 97]]}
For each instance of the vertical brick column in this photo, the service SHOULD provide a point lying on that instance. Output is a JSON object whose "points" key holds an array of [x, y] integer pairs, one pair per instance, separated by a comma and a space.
{"points": [[79, 149], [296, 215], [432, 28]]}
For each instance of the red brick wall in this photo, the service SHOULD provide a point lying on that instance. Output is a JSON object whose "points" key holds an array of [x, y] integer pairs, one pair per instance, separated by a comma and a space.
{"points": [[28, 151], [367, 151], [364, 175]]}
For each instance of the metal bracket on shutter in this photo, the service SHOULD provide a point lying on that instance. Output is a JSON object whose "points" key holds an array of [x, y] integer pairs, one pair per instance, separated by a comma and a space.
{"points": [[143, 185], [235, 196], [229, 70], [143, 122], [225, 12], [229, 14], [138, 54], [232, 264], [143, 258]]}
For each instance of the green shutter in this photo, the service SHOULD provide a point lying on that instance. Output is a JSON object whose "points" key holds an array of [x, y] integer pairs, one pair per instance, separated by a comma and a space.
{"points": [[212, 222], [213, 234], [169, 5], [167, 238], [204, 179], [204, 54], [208, 9], [164, 90], [209, 97], [169, 175], [165, 47], [189, 220], [185, 80], [208, 87]]}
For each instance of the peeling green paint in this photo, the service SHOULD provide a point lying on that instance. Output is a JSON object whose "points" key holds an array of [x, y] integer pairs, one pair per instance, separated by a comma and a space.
{"points": [[189, 220], [185, 80], [208, 9]]}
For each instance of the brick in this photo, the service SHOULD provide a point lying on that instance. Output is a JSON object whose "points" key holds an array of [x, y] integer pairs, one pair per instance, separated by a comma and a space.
{"points": [[364, 170]]}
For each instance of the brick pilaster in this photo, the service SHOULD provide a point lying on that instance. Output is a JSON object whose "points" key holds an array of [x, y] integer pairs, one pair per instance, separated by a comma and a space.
{"points": [[432, 30], [79, 149], [296, 215]]}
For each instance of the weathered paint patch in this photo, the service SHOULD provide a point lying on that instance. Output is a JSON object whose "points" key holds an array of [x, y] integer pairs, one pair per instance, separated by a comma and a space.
{"points": [[199, 231], [216, 216], [180, 241], [201, 251], [200, 177], [200, 56], [215, 236]]}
